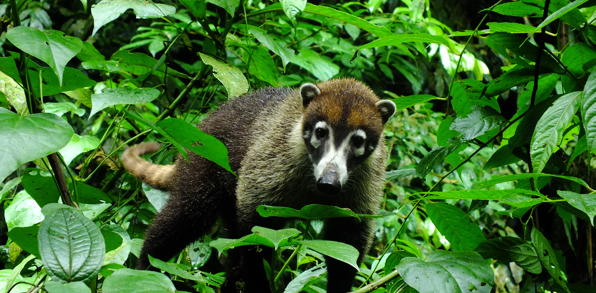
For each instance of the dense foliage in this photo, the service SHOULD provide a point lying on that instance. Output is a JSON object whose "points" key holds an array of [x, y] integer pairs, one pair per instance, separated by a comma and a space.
{"points": [[490, 175]]}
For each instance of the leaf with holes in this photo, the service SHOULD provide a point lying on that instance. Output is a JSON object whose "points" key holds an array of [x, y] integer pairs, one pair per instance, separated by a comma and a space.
{"points": [[549, 129], [52, 47], [455, 225], [547, 257], [71, 246], [447, 272]]}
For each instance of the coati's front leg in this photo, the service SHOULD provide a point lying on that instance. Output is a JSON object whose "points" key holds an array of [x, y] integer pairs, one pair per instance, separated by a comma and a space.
{"points": [[340, 275]]}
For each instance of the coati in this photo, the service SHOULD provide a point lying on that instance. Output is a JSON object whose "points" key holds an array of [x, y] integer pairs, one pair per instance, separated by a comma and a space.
{"points": [[321, 144]]}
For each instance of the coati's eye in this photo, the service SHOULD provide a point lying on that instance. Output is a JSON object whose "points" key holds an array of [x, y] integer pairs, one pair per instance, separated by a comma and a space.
{"points": [[357, 141], [321, 133]]}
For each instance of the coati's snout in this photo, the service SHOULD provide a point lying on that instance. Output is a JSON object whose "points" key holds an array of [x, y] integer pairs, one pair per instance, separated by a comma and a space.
{"points": [[342, 127]]}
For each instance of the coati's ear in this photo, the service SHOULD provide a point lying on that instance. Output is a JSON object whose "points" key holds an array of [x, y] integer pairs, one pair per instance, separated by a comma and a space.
{"points": [[387, 109], [308, 92]]}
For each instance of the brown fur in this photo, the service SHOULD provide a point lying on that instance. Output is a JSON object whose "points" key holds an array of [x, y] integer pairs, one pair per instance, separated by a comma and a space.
{"points": [[264, 134]]}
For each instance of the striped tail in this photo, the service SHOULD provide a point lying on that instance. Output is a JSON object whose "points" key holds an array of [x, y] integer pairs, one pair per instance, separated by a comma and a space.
{"points": [[158, 176]]}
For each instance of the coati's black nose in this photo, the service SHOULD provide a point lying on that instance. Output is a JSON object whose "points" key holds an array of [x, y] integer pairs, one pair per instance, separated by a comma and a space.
{"points": [[329, 182]]}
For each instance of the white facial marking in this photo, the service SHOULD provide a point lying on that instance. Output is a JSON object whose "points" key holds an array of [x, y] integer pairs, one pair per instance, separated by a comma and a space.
{"points": [[359, 133], [314, 140]]}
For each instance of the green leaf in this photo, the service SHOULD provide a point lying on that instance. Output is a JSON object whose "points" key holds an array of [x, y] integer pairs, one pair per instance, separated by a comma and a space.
{"points": [[495, 194], [107, 11], [198, 8], [309, 212], [588, 111], [337, 250], [89, 194], [57, 287], [500, 179], [133, 281], [156, 197], [22, 212], [41, 188], [262, 66], [128, 63], [120, 96], [78, 144], [52, 47], [72, 80], [455, 225], [231, 77], [320, 66], [510, 27], [274, 44], [508, 80], [260, 236], [71, 246], [292, 7], [477, 123], [26, 238], [560, 13], [229, 5], [548, 258], [519, 9], [8, 66], [175, 269], [549, 129], [197, 141], [434, 158], [26, 138], [112, 240], [501, 157], [298, 284], [62, 108], [395, 40], [508, 249], [447, 272], [583, 202], [378, 31], [15, 275], [409, 101], [120, 254], [525, 52]]}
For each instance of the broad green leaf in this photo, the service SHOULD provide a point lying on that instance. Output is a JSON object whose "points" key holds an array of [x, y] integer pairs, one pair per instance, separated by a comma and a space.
{"points": [[275, 236], [298, 283], [434, 158], [508, 249], [560, 13], [525, 129], [549, 129], [122, 95], [378, 31], [508, 80], [14, 275], [395, 40], [507, 178], [156, 197], [231, 77], [112, 239], [583, 202], [127, 63], [447, 272], [409, 101], [199, 252], [274, 44], [8, 66], [26, 238], [120, 254], [525, 52], [309, 212], [62, 108], [91, 211], [455, 225], [229, 5], [176, 269], [398, 174], [280, 237], [107, 11], [52, 47], [547, 83], [72, 80], [261, 65], [133, 281], [88, 53], [40, 187], [22, 212], [588, 111], [337, 250], [481, 194], [519, 9], [510, 27], [547, 257], [26, 138], [197, 141], [293, 7], [88, 194], [577, 57], [320, 66], [198, 8], [71, 246], [78, 144], [57, 287], [501, 157], [477, 123]]}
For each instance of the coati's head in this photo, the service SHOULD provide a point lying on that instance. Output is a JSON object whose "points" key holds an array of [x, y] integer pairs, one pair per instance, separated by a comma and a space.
{"points": [[343, 123]]}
